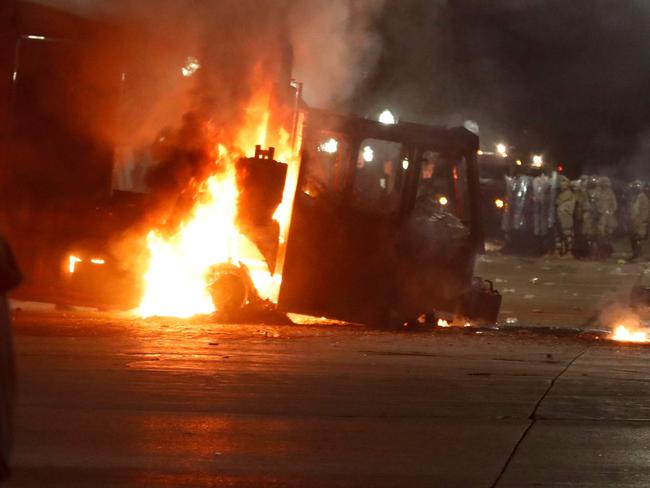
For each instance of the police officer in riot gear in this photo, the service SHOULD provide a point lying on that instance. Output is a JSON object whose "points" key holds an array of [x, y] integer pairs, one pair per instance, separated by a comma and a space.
{"points": [[565, 206], [593, 192], [584, 218], [606, 206], [638, 213]]}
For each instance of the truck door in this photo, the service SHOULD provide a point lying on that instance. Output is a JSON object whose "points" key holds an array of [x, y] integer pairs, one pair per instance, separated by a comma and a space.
{"points": [[342, 236]]}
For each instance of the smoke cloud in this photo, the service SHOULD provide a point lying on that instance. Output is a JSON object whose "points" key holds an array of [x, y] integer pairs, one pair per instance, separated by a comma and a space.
{"points": [[335, 45], [566, 79], [332, 47]]}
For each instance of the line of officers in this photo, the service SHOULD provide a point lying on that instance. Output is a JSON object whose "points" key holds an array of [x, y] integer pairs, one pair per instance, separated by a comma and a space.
{"points": [[579, 217]]}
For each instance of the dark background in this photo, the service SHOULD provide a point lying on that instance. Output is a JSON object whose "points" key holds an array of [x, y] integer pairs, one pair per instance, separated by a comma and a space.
{"points": [[569, 79]]}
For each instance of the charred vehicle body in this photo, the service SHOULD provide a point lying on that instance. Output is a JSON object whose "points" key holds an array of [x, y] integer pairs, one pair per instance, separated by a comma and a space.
{"points": [[386, 222], [384, 225]]}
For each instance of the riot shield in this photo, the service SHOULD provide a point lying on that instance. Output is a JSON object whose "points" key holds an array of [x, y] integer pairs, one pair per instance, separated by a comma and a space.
{"points": [[541, 196], [553, 188], [522, 192]]}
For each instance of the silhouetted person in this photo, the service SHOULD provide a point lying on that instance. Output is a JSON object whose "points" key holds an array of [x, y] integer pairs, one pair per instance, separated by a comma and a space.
{"points": [[10, 277]]}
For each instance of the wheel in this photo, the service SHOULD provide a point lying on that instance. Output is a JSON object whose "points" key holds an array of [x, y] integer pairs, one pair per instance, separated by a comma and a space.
{"points": [[230, 287]]}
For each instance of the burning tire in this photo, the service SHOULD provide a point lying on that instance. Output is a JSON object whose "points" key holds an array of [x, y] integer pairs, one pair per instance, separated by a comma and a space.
{"points": [[231, 287]]}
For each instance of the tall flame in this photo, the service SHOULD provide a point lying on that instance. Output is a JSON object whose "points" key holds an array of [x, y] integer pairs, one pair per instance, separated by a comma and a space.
{"points": [[175, 281]]}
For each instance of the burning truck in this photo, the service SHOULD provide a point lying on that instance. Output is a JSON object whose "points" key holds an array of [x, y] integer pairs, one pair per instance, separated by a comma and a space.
{"points": [[285, 207]]}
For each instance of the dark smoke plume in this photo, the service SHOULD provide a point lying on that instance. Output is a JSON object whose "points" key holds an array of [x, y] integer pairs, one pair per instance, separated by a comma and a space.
{"points": [[334, 43], [161, 145]]}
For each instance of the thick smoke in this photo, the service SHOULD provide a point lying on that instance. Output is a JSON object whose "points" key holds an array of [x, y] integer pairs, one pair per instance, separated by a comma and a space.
{"points": [[335, 44], [332, 46], [565, 78], [335, 47]]}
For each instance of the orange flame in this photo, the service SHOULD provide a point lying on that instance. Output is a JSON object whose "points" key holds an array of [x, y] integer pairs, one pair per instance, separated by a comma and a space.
{"points": [[175, 281], [625, 334]]}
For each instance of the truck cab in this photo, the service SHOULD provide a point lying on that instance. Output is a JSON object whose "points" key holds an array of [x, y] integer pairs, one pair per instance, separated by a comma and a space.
{"points": [[386, 220]]}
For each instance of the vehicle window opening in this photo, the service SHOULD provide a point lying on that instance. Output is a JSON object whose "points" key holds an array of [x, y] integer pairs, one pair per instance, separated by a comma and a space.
{"points": [[379, 177], [443, 181], [326, 161]]}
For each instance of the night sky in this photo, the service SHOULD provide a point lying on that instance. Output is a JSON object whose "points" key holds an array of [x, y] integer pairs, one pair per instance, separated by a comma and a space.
{"points": [[570, 79]]}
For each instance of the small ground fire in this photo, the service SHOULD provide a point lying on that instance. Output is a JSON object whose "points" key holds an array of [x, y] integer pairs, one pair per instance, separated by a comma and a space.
{"points": [[624, 333]]}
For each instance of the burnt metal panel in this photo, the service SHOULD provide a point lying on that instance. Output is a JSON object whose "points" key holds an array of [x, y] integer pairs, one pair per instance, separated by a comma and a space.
{"points": [[345, 263]]}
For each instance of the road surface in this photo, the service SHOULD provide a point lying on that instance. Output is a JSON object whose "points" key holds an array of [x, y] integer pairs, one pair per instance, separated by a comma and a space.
{"points": [[109, 401]]}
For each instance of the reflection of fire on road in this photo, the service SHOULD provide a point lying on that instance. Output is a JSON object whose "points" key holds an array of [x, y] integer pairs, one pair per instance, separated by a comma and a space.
{"points": [[176, 281], [625, 333]]}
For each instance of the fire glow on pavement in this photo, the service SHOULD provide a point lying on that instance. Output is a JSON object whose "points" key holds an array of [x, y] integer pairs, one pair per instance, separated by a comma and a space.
{"points": [[623, 333]]}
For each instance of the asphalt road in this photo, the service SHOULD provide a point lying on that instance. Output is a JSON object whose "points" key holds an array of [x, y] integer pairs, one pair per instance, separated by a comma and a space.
{"points": [[554, 292], [107, 401], [111, 401]]}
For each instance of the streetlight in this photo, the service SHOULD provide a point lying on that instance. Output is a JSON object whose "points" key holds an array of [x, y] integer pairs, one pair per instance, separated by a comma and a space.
{"points": [[538, 160], [502, 149], [387, 117], [368, 154]]}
